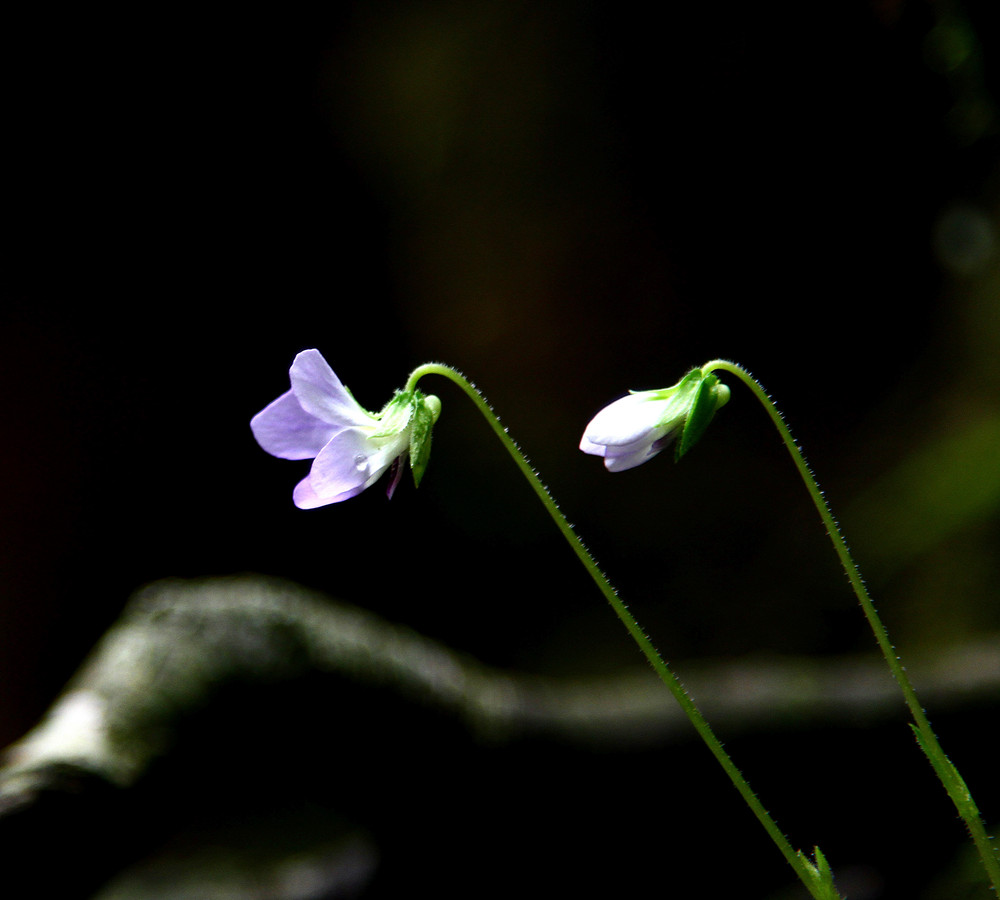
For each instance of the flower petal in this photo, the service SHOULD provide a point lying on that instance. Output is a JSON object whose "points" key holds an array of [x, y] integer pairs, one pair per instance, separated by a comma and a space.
{"points": [[621, 462], [351, 462], [626, 421], [588, 446], [284, 429], [650, 439], [321, 393], [305, 496], [395, 476]]}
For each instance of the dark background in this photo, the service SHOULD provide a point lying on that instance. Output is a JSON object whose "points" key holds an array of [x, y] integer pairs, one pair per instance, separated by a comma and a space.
{"points": [[564, 201]]}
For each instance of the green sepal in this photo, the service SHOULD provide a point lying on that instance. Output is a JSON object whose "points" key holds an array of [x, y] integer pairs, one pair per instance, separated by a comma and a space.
{"points": [[424, 413], [703, 406], [688, 383], [395, 415]]}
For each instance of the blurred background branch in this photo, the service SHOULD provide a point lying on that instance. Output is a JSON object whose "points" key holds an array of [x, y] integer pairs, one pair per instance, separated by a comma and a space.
{"points": [[178, 643], [181, 645]]}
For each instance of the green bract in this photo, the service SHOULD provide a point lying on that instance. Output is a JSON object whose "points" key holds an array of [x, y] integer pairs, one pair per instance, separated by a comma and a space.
{"points": [[426, 409], [707, 395]]}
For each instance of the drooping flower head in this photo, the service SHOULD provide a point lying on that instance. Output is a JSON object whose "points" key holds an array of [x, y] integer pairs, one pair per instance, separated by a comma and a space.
{"points": [[637, 427], [351, 448]]}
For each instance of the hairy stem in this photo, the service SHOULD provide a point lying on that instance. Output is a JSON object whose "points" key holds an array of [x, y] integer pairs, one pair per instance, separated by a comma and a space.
{"points": [[665, 673], [945, 769]]}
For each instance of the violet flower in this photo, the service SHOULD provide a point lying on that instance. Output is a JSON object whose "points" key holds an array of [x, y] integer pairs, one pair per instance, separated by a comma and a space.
{"points": [[638, 426], [351, 448]]}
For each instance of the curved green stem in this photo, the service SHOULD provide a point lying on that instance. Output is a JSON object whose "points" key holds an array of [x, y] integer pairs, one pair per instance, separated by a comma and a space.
{"points": [[926, 738], [798, 862]]}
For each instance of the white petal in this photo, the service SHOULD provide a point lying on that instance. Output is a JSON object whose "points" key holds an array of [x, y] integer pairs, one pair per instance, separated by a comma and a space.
{"points": [[305, 497], [351, 462], [588, 446], [321, 393], [623, 462], [626, 421]]}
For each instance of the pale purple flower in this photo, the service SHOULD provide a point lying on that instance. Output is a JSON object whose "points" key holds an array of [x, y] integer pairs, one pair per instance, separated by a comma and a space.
{"points": [[635, 428], [351, 448], [632, 430]]}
